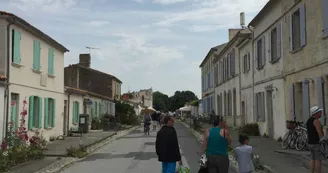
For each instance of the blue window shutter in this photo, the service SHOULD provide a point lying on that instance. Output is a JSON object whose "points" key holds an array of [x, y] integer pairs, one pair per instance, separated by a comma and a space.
{"points": [[263, 52], [40, 113], [53, 112], [305, 100], [319, 88], [325, 17], [279, 40], [17, 49], [292, 102], [211, 104], [46, 113], [51, 61], [31, 112], [291, 43], [303, 25]]}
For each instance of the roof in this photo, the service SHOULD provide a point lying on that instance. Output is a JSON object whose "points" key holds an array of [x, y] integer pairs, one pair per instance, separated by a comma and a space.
{"points": [[21, 22], [97, 71], [85, 92], [240, 34], [211, 51], [262, 11]]}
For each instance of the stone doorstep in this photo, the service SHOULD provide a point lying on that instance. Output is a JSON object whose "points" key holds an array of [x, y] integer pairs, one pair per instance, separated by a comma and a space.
{"points": [[63, 163], [233, 162]]}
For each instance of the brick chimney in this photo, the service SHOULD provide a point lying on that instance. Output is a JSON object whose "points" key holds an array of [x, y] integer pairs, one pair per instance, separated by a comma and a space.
{"points": [[233, 32], [85, 60]]}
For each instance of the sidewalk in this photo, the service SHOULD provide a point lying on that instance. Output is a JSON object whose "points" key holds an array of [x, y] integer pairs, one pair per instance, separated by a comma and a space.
{"points": [[272, 155], [55, 154]]}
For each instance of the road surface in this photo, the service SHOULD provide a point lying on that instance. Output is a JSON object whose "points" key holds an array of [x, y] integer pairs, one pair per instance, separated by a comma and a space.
{"points": [[135, 153]]}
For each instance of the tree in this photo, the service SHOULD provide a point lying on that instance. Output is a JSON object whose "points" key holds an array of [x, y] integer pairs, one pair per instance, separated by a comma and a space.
{"points": [[160, 101], [179, 99]]}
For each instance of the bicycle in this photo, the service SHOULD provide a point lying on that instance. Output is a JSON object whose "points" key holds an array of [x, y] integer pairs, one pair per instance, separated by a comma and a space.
{"points": [[147, 129], [296, 137]]}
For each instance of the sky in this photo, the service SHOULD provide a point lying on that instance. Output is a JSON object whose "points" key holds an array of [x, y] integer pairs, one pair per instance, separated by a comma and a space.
{"points": [[144, 43]]}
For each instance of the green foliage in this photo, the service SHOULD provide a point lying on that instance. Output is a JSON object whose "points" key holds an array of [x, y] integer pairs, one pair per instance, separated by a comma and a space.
{"points": [[164, 103], [126, 114], [96, 124], [196, 125], [194, 103], [160, 101], [251, 129], [77, 152]]}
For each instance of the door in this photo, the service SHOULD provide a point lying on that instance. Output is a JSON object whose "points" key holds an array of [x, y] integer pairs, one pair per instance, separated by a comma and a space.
{"points": [[65, 125], [243, 113], [270, 114]]}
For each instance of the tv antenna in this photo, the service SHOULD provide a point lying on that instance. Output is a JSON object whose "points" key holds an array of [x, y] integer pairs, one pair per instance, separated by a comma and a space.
{"points": [[91, 48]]}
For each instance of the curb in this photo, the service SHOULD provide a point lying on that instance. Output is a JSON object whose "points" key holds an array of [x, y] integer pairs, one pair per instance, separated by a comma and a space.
{"points": [[233, 161], [66, 162]]}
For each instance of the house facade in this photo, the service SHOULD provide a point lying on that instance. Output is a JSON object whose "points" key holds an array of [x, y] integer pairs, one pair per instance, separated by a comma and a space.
{"points": [[227, 81], [207, 78], [35, 74], [305, 57], [88, 91], [143, 97], [2, 106]]}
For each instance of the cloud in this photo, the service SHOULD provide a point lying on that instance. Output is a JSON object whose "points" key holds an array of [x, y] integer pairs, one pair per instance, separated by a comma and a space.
{"points": [[167, 2], [98, 23]]}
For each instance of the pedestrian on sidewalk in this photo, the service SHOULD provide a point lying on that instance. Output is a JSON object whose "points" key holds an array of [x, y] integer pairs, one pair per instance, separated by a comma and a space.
{"points": [[215, 146], [167, 146], [315, 132], [244, 154]]}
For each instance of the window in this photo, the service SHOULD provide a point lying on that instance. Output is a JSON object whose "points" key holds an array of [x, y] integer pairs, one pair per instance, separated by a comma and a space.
{"points": [[260, 107], [234, 99], [246, 62], [49, 112], [216, 72], [228, 65], [14, 110], [51, 61], [35, 112], [275, 43], [16, 41], [76, 112], [36, 55], [325, 17], [297, 29], [260, 51], [232, 62]]}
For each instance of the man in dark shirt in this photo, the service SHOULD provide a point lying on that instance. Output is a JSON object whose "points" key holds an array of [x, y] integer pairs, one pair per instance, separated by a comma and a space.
{"points": [[314, 130], [167, 146]]}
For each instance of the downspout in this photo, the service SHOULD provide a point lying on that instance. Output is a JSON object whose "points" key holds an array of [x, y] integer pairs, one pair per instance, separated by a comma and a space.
{"points": [[68, 111], [253, 72], [8, 73], [242, 123]]}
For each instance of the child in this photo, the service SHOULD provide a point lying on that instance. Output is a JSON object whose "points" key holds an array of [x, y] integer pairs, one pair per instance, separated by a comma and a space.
{"points": [[244, 154]]}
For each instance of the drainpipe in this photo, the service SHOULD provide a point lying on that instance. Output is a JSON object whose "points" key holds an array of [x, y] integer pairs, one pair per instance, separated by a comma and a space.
{"points": [[8, 73], [68, 111], [253, 72], [239, 68]]}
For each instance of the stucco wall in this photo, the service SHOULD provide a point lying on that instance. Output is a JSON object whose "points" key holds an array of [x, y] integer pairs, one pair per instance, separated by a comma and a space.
{"points": [[3, 46], [311, 60], [247, 97]]}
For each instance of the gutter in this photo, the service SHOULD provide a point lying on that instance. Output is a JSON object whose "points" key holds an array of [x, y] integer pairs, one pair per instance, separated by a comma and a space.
{"points": [[253, 72], [8, 73]]}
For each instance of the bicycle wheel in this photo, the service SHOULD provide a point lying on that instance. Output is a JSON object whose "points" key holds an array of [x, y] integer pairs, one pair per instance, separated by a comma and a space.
{"points": [[301, 140], [286, 140]]}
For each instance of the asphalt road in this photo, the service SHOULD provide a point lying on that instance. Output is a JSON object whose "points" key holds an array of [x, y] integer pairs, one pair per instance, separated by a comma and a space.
{"points": [[135, 153]]}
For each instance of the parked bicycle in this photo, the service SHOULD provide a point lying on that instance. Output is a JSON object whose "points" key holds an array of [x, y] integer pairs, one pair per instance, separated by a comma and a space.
{"points": [[296, 137]]}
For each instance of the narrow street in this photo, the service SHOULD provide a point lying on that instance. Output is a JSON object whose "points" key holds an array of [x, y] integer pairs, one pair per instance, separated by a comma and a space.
{"points": [[135, 153]]}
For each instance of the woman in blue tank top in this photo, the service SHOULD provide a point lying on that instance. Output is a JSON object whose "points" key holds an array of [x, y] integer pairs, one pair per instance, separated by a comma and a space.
{"points": [[215, 146]]}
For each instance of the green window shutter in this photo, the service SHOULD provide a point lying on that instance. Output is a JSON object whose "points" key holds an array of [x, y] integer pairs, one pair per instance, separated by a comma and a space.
{"points": [[53, 112], [40, 113], [74, 113], [36, 55], [51, 61], [14, 115], [46, 112], [31, 113], [16, 50]]}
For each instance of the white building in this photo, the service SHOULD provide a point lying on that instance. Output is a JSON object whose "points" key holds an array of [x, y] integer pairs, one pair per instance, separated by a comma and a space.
{"points": [[2, 106], [36, 63], [227, 90], [143, 97]]}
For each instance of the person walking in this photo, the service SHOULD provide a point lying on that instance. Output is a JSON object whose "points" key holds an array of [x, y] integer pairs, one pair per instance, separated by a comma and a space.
{"points": [[244, 154], [315, 132], [215, 146], [167, 146]]}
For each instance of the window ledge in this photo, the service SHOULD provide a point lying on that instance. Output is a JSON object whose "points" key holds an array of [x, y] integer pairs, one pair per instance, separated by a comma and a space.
{"points": [[297, 50], [49, 128], [260, 68], [16, 65], [275, 61], [35, 129], [51, 76], [36, 71]]}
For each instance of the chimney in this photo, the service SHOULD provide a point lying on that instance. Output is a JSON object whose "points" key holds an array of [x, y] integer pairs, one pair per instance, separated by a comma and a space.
{"points": [[85, 60], [233, 32]]}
